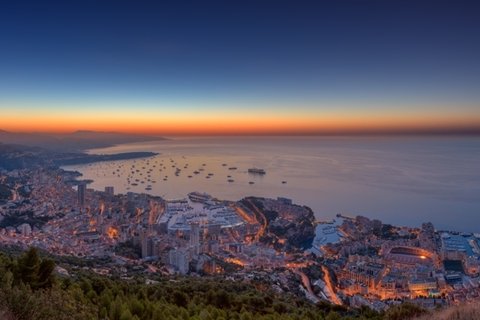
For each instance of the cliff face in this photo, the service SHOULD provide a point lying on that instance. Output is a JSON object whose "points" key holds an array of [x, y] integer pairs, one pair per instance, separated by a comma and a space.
{"points": [[289, 226]]}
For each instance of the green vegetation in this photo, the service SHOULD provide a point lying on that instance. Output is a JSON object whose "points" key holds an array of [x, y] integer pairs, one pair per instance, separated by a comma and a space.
{"points": [[464, 312], [404, 311], [29, 290]]}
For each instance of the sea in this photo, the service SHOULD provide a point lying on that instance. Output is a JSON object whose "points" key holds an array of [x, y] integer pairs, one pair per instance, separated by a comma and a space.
{"points": [[399, 180]]}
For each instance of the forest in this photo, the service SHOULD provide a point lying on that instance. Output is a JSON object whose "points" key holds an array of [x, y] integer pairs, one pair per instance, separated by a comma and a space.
{"points": [[31, 289]]}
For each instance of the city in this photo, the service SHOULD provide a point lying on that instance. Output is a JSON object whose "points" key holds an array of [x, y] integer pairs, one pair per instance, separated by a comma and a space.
{"points": [[240, 160], [351, 261]]}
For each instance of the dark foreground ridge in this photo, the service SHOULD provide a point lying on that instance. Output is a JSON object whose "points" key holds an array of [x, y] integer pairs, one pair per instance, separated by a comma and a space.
{"points": [[37, 286]]}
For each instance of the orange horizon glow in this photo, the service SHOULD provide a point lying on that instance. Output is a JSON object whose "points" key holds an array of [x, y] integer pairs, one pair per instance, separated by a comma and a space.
{"points": [[245, 125], [231, 121]]}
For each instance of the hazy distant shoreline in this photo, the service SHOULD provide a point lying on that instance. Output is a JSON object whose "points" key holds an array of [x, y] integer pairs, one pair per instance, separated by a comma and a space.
{"points": [[92, 158], [78, 141]]}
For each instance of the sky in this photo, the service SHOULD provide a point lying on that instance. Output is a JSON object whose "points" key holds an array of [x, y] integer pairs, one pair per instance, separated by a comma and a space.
{"points": [[240, 67]]}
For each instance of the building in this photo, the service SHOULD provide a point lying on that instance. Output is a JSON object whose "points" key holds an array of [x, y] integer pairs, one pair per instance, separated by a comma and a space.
{"points": [[82, 189], [422, 284], [109, 190], [25, 229], [195, 237], [180, 259]]}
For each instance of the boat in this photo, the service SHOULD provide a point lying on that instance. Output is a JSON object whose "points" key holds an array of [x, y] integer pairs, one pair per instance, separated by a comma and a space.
{"points": [[230, 180], [284, 182], [251, 182], [256, 171], [232, 168]]}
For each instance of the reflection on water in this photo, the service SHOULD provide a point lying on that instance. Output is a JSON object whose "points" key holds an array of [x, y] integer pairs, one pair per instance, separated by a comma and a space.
{"points": [[399, 180]]}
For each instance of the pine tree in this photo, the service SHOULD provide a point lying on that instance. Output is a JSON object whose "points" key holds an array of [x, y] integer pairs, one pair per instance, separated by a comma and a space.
{"points": [[29, 266], [45, 274]]}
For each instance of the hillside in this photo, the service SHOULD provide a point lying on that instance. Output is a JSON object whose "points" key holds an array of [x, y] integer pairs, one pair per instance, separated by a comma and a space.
{"points": [[32, 288], [72, 142], [21, 157], [36, 286], [466, 312]]}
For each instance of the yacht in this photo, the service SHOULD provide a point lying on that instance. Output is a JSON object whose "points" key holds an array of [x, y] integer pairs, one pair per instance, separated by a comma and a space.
{"points": [[256, 171]]}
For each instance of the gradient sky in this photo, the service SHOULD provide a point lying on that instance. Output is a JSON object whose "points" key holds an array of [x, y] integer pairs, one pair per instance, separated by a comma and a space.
{"points": [[240, 66]]}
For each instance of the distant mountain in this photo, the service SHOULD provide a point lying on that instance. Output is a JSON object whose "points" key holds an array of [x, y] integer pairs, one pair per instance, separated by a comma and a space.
{"points": [[13, 156], [73, 142], [19, 157]]}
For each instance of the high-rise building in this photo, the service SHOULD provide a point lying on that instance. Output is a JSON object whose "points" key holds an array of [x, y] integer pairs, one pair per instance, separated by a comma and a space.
{"points": [[180, 259], [147, 247], [82, 188], [194, 234], [195, 237]]}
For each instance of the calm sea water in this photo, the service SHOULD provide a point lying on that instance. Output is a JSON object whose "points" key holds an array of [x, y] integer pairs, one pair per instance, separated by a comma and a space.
{"points": [[404, 181]]}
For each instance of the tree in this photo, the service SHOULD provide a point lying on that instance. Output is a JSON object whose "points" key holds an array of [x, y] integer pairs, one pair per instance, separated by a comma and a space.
{"points": [[180, 298], [29, 266], [45, 277]]}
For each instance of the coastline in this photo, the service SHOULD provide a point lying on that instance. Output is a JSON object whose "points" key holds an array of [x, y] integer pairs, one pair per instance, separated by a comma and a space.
{"points": [[85, 158]]}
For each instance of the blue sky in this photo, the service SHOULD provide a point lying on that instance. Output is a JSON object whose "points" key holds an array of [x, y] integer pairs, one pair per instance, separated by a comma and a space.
{"points": [[196, 55]]}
